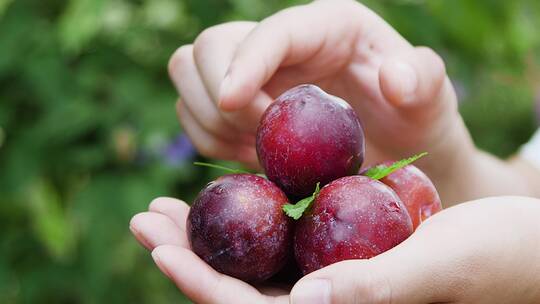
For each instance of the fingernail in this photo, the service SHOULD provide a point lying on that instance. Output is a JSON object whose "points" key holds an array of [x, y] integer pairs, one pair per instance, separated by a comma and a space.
{"points": [[408, 80], [314, 291], [156, 255]]}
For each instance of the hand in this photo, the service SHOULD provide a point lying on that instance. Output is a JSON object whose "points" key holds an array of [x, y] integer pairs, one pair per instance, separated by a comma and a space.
{"points": [[163, 231], [401, 93], [486, 251]]}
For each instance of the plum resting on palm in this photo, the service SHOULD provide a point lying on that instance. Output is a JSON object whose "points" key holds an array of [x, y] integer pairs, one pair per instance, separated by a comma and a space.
{"points": [[237, 226], [415, 190], [354, 217], [307, 138]]}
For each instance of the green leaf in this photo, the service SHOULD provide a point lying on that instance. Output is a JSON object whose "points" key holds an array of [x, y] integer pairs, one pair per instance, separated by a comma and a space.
{"points": [[295, 211], [3, 6], [80, 23], [382, 171], [53, 226]]}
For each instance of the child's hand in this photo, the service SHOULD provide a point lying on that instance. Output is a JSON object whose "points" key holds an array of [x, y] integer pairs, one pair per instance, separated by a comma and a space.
{"points": [[401, 93], [484, 251], [162, 230], [479, 252]]}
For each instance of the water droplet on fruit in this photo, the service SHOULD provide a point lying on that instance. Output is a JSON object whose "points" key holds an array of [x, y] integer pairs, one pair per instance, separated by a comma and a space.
{"points": [[425, 212], [392, 207], [342, 103]]}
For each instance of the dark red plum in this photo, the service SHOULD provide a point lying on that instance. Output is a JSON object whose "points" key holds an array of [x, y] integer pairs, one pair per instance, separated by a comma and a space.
{"points": [[416, 191], [308, 136], [354, 217], [237, 226]]}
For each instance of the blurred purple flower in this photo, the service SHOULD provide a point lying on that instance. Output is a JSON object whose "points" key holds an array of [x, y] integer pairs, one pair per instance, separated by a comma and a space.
{"points": [[179, 150]]}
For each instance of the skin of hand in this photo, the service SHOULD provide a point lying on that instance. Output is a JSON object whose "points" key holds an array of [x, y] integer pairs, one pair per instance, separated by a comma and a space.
{"points": [[401, 93], [407, 104], [482, 251]]}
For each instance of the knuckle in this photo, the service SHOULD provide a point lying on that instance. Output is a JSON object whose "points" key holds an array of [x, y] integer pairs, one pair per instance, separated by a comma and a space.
{"points": [[431, 54], [216, 126], [426, 50], [207, 38], [207, 149], [231, 31], [286, 17], [181, 111], [372, 289], [181, 57], [220, 288], [212, 123], [156, 203], [137, 218], [436, 65]]}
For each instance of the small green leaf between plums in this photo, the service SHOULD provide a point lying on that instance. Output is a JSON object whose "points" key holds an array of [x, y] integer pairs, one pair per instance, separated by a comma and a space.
{"points": [[295, 211], [382, 171]]}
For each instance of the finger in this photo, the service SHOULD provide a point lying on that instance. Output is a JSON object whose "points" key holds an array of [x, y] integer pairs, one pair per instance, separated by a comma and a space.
{"points": [[176, 210], [415, 79], [186, 78], [155, 229], [211, 146], [213, 52], [201, 283], [295, 35], [412, 272]]}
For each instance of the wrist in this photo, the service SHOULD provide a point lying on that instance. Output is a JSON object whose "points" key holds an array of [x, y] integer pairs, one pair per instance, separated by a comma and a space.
{"points": [[474, 174], [455, 156]]}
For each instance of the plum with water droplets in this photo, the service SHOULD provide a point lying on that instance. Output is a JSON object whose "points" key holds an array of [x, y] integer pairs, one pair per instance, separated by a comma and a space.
{"points": [[354, 217], [308, 136], [237, 226], [416, 191]]}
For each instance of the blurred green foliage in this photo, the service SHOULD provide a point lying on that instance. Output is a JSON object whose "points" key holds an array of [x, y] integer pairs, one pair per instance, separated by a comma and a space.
{"points": [[88, 134]]}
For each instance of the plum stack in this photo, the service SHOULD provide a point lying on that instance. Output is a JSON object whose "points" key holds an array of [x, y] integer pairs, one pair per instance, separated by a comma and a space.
{"points": [[244, 226]]}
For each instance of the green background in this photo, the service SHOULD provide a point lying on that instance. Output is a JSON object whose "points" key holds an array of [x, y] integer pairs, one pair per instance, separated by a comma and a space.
{"points": [[88, 134]]}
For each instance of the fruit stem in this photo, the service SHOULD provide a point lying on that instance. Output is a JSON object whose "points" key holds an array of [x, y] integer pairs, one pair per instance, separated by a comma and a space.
{"points": [[219, 167]]}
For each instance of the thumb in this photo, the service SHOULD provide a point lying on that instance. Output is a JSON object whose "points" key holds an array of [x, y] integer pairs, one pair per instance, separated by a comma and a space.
{"points": [[412, 272]]}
